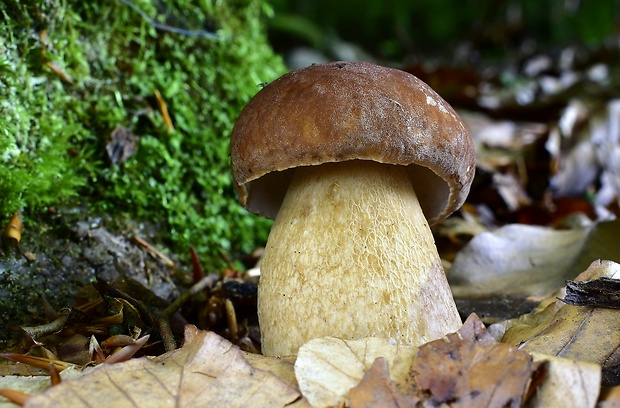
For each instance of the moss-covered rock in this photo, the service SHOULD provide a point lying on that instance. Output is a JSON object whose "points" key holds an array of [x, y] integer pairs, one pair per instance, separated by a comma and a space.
{"points": [[73, 74]]}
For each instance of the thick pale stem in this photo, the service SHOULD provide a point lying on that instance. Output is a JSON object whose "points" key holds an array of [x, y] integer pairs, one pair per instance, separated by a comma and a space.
{"points": [[351, 255]]}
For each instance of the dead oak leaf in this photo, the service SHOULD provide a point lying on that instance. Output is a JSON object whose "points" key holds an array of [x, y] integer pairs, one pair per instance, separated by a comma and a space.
{"points": [[376, 389], [470, 369], [207, 371]]}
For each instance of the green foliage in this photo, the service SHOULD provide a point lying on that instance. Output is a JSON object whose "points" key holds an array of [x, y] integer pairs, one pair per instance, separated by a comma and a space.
{"points": [[117, 57]]}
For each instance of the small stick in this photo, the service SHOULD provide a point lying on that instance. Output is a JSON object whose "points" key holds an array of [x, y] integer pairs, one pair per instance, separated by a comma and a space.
{"points": [[203, 283], [154, 251]]}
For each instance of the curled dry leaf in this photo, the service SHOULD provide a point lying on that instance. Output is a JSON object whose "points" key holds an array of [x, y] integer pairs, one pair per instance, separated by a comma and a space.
{"points": [[163, 109], [577, 332], [207, 371], [118, 340], [13, 231], [126, 352], [469, 368], [327, 368]]}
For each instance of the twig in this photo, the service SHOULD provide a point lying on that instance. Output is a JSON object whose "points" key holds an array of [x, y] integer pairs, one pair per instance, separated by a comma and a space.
{"points": [[164, 27], [205, 282], [154, 251]]}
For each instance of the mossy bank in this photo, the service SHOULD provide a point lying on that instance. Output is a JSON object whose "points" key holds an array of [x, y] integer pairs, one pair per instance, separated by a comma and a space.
{"points": [[84, 89], [123, 109]]}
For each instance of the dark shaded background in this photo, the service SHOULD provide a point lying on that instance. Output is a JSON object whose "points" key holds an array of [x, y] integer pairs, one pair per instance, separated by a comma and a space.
{"points": [[463, 31]]}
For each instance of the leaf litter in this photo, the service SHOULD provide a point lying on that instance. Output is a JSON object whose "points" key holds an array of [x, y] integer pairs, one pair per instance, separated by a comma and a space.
{"points": [[206, 371], [467, 368], [584, 333]]}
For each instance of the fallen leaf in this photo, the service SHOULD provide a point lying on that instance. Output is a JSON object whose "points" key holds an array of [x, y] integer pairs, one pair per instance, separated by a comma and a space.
{"points": [[207, 371], [281, 367], [567, 383], [469, 368], [529, 261], [500, 143], [577, 332], [327, 368], [377, 390]]}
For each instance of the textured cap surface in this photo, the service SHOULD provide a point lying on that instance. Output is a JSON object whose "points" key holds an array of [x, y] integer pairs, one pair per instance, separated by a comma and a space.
{"points": [[351, 111]]}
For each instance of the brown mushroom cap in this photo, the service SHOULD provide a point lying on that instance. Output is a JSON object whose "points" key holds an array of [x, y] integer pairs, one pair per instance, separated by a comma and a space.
{"points": [[344, 111]]}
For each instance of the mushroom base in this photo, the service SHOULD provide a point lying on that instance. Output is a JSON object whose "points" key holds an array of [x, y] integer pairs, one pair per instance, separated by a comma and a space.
{"points": [[351, 255]]}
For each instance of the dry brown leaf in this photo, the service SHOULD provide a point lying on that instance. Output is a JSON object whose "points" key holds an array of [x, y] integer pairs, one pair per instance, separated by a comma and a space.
{"points": [[327, 368], [207, 371], [469, 368], [577, 332], [377, 390]]}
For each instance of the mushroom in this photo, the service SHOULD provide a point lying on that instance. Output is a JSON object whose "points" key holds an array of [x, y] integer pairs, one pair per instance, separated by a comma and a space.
{"points": [[354, 161]]}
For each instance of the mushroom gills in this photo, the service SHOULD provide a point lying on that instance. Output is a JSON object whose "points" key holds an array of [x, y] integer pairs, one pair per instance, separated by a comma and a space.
{"points": [[351, 255]]}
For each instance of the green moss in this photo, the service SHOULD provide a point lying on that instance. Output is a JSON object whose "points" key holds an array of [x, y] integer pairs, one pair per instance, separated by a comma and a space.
{"points": [[54, 133]]}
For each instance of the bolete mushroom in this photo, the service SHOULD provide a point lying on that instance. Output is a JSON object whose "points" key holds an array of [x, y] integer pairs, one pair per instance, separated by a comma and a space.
{"points": [[351, 159]]}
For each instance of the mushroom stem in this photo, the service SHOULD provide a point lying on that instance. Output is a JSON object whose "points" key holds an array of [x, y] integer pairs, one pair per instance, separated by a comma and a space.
{"points": [[351, 255]]}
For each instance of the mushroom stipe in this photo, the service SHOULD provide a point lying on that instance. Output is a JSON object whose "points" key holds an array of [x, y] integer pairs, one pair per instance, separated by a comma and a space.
{"points": [[352, 255]]}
